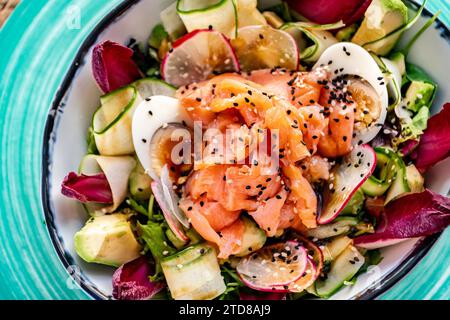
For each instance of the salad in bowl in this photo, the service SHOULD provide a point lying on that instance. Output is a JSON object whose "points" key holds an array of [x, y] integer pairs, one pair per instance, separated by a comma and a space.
{"points": [[248, 153]]}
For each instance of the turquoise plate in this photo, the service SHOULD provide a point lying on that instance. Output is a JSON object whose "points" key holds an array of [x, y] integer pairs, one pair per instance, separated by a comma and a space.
{"points": [[38, 46]]}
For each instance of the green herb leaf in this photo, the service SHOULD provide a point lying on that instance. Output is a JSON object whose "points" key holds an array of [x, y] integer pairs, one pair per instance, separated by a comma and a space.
{"points": [[157, 36], [153, 236]]}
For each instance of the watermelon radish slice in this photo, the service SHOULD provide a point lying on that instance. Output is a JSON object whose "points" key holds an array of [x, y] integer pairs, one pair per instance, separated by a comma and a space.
{"points": [[347, 177], [197, 56], [170, 217], [263, 47], [306, 280], [274, 267]]}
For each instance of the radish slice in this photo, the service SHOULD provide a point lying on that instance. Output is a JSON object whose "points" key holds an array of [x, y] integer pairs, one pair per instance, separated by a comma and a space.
{"points": [[170, 217], [272, 267], [171, 198], [348, 176], [262, 47], [198, 55], [306, 280]]}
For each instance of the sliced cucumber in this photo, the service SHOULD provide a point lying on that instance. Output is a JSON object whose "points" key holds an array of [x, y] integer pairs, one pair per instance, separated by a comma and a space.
{"points": [[342, 269], [340, 226], [334, 248], [172, 22], [174, 239], [384, 174], [220, 15], [355, 204], [400, 183], [375, 187], [253, 238], [139, 183], [320, 38], [194, 274], [112, 122], [148, 87]]}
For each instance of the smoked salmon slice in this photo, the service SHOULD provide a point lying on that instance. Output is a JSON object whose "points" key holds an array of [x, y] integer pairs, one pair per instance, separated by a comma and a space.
{"points": [[303, 195]]}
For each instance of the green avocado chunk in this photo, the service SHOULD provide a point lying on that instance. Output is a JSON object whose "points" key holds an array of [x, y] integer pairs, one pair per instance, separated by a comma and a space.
{"points": [[107, 240]]}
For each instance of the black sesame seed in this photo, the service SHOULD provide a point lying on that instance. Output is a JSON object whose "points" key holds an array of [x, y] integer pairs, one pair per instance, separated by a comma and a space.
{"points": [[148, 99], [144, 140]]}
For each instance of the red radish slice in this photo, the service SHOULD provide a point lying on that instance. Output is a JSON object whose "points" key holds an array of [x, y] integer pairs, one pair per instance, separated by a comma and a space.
{"points": [[306, 280], [348, 176], [171, 198], [172, 221], [263, 47], [272, 267], [198, 55], [314, 252]]}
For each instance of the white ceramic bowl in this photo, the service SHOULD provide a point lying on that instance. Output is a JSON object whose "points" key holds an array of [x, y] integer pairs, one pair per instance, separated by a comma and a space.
{"points": [[64, 146]]}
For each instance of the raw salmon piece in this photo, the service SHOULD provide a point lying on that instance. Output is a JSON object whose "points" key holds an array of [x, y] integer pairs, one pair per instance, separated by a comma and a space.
{"points": [[196, 97], [218, 218], [303, 196], [231, 239], [300, 88], [314, 124], [316, 168], [199, 222], [242, 95], [286, 121], [267, 216], [289, 218], [228, 239], [337, 140], [209, 180]]}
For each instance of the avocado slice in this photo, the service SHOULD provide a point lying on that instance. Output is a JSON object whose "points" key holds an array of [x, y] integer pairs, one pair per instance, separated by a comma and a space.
{"points": [[381, 18], [419, 94], [139, 183], [107, 240], [414, 179], [355, 204], [253, 239]]}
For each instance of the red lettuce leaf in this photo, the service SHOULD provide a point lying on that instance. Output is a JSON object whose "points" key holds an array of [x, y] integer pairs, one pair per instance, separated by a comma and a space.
{"points": [[131, 281], [411, 216], [330, 11], [434, 144], [84, 188], [262, 296], [407, 148], [113, 66]]}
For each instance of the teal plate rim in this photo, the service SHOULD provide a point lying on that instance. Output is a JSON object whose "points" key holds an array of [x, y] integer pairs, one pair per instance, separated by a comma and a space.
{"points": [[19, 196], [420, 250]]}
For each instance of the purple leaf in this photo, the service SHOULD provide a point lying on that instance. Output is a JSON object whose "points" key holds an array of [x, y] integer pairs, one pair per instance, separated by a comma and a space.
{"points": [[84, 188], [434, 144], [113, 66], [262, 296], [413, 215], [408, 147], [330, 11], [131, 281]]}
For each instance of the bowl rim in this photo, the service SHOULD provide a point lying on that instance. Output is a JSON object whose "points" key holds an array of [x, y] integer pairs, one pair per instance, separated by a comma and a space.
{"points": [[421, 248]]}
